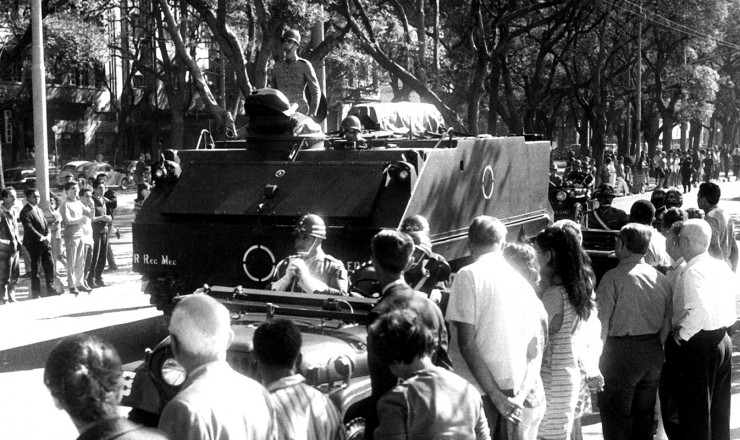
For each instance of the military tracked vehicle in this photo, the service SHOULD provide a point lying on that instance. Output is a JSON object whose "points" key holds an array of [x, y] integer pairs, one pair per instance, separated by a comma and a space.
{"points": [[224, 217], [227, 219]]}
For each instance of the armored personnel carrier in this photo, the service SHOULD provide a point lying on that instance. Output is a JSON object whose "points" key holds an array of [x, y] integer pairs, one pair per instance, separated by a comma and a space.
{"points": [[221, 220], [227, 219]]}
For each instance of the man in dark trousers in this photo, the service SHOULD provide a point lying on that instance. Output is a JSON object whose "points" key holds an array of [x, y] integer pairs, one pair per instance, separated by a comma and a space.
{"points": [[36, 238], [699, 348], [100, 228], [392, 255], [9, 246], [633, 352]]}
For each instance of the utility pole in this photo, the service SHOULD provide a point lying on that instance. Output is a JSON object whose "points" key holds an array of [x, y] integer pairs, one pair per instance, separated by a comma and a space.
{"points": [[638, 100], [38, 78]]}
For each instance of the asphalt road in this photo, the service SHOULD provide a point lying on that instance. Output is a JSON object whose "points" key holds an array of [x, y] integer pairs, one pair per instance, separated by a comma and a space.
{"points": [[121, 314]]}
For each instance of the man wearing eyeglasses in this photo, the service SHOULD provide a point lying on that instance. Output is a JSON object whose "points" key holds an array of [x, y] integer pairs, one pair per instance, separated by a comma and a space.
{"points": [[37, 239]]}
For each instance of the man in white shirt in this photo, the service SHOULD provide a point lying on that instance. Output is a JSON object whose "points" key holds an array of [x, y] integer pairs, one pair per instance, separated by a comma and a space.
{"points": [[643, 212], [722, 245], [500, 325], [699, 348]]}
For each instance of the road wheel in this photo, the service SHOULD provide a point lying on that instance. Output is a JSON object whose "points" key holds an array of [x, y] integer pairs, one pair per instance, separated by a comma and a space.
{"points": [[124, 184], [355, 428]]}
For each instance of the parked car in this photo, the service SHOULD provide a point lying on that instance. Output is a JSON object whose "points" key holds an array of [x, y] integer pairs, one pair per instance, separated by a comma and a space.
{"points": [[20, 177], [127, 168], [112, 177], [73, 168]]}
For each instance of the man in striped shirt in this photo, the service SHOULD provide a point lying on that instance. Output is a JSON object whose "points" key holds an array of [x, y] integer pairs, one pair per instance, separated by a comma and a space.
{"points": [[303, 412]]}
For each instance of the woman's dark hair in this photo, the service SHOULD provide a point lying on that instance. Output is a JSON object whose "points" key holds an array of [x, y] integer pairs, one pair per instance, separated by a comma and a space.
{"points": [[84, 373], [400, 336], [572, 265]]}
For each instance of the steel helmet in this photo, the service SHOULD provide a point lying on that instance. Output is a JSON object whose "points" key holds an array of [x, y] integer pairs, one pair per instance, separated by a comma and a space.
{"points": [[292, 34], [351, 123], [311, 224]]}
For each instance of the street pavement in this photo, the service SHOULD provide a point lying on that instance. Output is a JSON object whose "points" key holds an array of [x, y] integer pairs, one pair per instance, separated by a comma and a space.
{"points": [[121, 313]]}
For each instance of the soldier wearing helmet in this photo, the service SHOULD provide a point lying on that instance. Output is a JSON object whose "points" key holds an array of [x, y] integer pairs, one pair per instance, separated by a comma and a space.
{"points": [[351, 129], [310, 270], [293, 74]]}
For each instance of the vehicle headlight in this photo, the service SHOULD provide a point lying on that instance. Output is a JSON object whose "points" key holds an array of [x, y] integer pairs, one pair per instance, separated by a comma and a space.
{"points": [[561, 196], [172, 373]]}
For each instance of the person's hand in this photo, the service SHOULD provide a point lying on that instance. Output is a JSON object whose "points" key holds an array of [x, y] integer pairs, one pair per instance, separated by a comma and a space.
{"points": [[297, 267], [596, 382], [108, 218], [510, 409]]}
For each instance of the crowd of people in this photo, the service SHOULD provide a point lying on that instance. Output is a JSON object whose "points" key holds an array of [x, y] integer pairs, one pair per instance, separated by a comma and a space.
{"points": [[73, 232], [672, 168], [512, 350]]}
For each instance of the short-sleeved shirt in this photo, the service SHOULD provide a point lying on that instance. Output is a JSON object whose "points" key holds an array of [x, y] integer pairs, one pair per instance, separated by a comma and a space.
{"points": [[504, 312], [704, 298], [723, 233], [323, 267], [303, 412], [633, 299]]}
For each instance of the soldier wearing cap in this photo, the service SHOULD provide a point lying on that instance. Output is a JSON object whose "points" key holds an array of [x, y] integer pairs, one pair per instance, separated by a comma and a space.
{"points": [[293, 74], [311, 270], [606, 216]]}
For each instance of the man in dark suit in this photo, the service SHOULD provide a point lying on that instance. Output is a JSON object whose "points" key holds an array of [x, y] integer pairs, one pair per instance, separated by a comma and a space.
{"points": [[392, 255], [9, 246], [36, 238]]}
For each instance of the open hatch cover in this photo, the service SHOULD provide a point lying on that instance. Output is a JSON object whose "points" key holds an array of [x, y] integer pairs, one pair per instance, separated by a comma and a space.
{"points": [[333, 189]]}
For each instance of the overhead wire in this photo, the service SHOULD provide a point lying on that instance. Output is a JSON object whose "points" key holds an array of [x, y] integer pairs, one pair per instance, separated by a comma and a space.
{"points": [[665, 22]]}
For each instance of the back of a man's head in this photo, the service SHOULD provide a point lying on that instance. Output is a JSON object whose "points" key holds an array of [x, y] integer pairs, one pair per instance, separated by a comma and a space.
{"points": [[277, 343], [643, 212], [636, 237], [711, 192], [486, 233], [202, 327], [392, 250], [697, 235]]}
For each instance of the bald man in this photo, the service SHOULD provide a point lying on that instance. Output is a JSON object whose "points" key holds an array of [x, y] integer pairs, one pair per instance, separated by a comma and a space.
{"points": [[700, 349], [215, 402]]}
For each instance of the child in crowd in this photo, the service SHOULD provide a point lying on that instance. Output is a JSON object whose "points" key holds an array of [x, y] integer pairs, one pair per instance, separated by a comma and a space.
{"points": [[444, 404], [277, 344]]}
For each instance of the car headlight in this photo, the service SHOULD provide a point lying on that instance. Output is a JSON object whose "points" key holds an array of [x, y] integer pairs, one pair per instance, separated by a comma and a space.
{"points": [[561, 196], [172, 373]]}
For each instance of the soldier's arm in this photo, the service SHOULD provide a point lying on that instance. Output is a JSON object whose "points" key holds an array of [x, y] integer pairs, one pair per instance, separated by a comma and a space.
{"points": [[313, 87]]}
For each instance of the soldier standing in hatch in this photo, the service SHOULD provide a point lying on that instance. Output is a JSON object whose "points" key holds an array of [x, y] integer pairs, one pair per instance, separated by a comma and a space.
{"points": [[293, 74], [311, 270]]}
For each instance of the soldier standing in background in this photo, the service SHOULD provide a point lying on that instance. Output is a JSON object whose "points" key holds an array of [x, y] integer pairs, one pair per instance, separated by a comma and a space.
{"points": [[293, 74]]}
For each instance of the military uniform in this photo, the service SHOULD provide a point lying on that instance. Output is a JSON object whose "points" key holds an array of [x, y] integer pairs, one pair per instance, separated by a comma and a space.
{"points": [[613, 218], [291, 78], [323, 267]]}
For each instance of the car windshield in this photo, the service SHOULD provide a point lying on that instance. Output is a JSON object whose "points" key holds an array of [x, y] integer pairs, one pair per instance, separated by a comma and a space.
{"points": [[69, 167]]}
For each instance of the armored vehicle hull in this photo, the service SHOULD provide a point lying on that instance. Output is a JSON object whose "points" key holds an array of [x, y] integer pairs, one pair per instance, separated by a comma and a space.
{"points": [[228, 219]]}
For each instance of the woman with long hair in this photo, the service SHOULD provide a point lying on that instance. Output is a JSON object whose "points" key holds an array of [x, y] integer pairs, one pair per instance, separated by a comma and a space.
{"points": [[567, 294], [84, 376]]}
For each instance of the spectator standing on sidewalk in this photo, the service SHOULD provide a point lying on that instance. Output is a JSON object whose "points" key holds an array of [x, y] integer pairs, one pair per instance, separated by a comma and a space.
{"points": [[633, 351], [277, 346], [73, 218], [101, 222], [111, 206], [54, 220], [699, 348], [9, 246], [499, 323], [723, 245], [87, 240], [36, 238]]}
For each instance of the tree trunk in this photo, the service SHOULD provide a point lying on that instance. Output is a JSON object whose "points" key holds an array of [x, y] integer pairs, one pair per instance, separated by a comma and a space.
{"points": [[682, 143]]}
